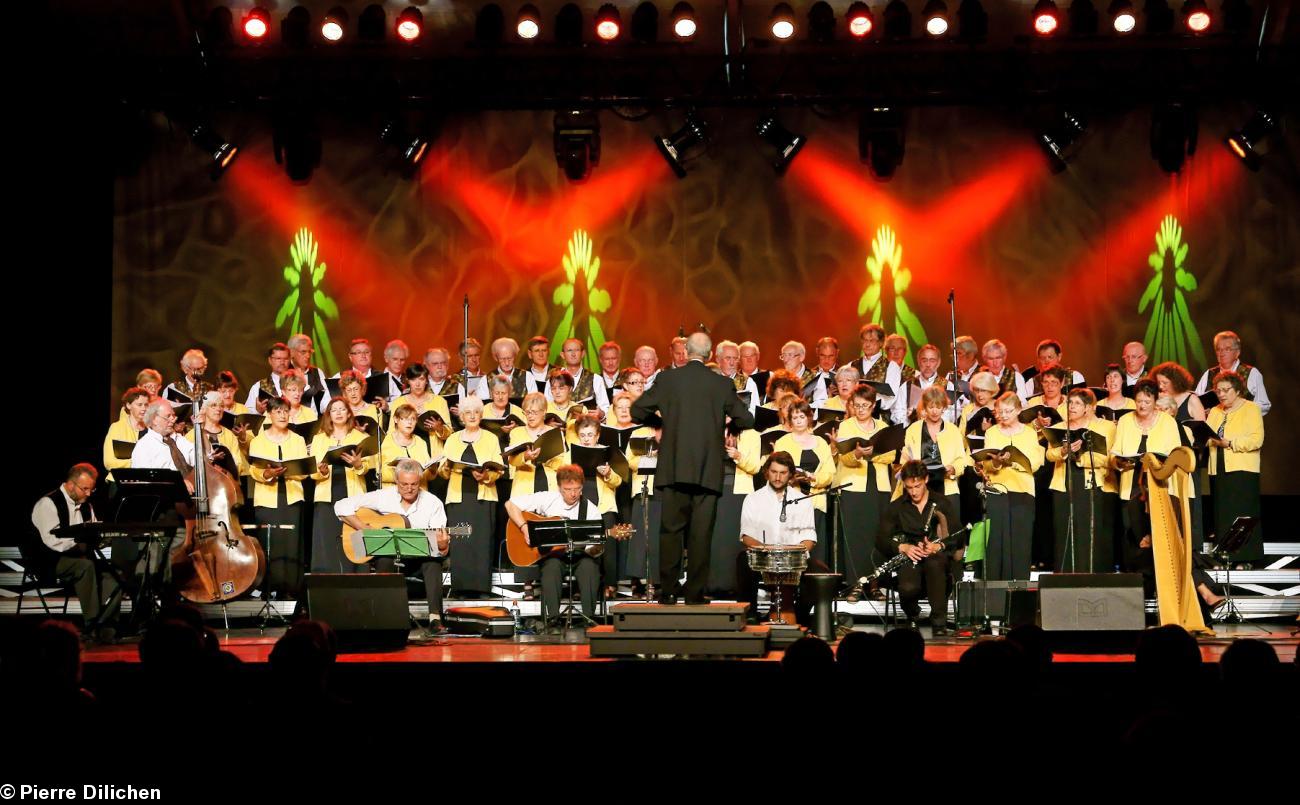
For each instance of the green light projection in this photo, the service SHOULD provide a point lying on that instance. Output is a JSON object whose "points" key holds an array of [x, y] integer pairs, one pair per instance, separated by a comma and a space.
{"points": [[1171, 335], [581, 300], [306, 308], [887, 258]]}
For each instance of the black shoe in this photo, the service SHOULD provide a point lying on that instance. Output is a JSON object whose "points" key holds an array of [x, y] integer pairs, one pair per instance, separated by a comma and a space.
{"points": [[702, 601], [667, 600], [436, 626]]}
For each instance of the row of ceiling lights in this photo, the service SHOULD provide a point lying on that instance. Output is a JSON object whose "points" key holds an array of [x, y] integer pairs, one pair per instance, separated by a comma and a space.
{"points": [[860, 21]]}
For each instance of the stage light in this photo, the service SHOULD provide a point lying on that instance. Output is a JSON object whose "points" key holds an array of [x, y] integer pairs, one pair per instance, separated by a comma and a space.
{"points": [[1245, 141], [683, 19], [693, 134], [782, 22], [577, 143], [296, 143], [1046, 18], [860, 20], [1159, 17], [1060, 136], [490, 25], [257, 23], [295, 28], [608, 22], [529, 22], [219, 150], [972, 21], [1236, 16], [881, 140], [410, 24], [821, 22], [568, 25], [1173, 135], [644, 26], [898, 20], [787, 143], [935, 15], [372, 25], [334, 24], [411, 148], [1122, 19], [1196, 16]]}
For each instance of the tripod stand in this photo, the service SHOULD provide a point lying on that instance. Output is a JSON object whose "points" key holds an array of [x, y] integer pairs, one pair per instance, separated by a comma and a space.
{"points": [[268, 612], [1224, 546]]}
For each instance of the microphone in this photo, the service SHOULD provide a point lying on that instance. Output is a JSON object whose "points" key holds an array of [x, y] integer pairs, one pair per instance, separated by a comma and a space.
{"points": [[952, 292], [784, 502]]}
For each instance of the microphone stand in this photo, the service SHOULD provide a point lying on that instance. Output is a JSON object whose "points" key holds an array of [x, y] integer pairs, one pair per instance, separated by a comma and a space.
{"points": [[956, 378]]}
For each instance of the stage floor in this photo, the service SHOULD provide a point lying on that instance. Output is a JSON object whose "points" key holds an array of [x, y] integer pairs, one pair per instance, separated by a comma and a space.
{"points": [[251, 646]]}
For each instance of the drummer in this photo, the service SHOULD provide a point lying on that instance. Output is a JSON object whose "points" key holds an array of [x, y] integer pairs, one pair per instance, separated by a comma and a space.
{"points": [[775, 516], [912, 525]]}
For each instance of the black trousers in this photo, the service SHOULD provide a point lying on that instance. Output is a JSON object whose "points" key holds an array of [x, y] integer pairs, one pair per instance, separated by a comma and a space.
{"points": [[93, 587], [934, 572], [748, 581], [585, 569], [688, 512], [430, 570]]}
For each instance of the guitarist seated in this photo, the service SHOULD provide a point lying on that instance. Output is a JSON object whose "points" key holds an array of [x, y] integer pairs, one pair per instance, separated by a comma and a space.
{"points": [[907, 526], [421, 510], [567, 502]]}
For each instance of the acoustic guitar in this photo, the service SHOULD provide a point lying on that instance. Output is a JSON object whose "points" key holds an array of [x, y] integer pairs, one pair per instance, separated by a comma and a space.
{"points": [[355, 548], [523, 554]]}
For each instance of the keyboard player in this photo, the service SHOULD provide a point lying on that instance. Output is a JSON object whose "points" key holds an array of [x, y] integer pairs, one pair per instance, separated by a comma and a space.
{"points": [[62, 558]]}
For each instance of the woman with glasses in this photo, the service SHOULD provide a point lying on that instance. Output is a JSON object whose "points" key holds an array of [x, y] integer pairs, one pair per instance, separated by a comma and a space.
{"points": [[472, 497], [867, 474], [1238, 424], [278, 500]]}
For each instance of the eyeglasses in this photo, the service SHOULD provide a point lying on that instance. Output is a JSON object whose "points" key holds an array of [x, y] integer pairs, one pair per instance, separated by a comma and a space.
{"points": [[634, 382]]}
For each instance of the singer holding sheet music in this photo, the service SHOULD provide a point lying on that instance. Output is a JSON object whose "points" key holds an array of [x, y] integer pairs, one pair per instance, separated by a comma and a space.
{"points": [[816, 465], [472, 497], [1146, 429], [776, 514], [1093, 496], [1234, 461], [912, 525], [937, 444], [401, 442], [341, 478], [127, 430], [277, 500], [867, 474], [1011, 487]]}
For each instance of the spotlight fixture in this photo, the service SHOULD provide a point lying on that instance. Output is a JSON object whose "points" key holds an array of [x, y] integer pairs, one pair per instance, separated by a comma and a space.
{"points": [[1059, 138], [786, 143], [1173, 135], [881, 140], [684, 21], [577, 143], [782, 22], [860, 20], [295, 28], [219, 150], [1159, 17], [1046, 18], [972, 21], [410, 24], [1121, 16], [411, 147], [645, 24], [296, 144], [608, 22], [257, 23], [821, 22], [568, 25], [898, 20], [529, 22], [334, 24], [1196, 16], [490, 25], [689, 137], [935, 15], [372, 25], [1244, 142]]}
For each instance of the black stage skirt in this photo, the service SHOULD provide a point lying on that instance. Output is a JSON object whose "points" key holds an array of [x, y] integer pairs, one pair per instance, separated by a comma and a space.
{"points": [[1085, 555], [1236, 494], [472, 557], [859, 525], [726, 543]]}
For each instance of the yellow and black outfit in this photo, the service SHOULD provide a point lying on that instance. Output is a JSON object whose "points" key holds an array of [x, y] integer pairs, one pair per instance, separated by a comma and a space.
{"points": [[123, 430], [1234, 472], [343, 482], [1011, 514], [1130, 439], [276, 503], [1094, 500], [474, 504], [863, 502], [645, 538], [737, 482], [818, 462]]}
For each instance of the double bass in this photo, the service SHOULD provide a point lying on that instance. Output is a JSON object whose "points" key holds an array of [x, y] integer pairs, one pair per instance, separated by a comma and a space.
{"points": [[217, 562]]}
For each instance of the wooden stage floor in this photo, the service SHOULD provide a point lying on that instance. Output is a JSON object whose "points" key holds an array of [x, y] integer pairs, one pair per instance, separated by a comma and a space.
{"points": [[251, 647]]}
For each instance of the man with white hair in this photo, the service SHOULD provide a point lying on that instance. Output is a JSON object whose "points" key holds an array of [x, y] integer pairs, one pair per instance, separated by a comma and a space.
{"points": [[193, 365], [677, 353], [160, 448], [995, 362], [749, 358], [470, 379], [1227, 349], [420, 510], [828, 360], [438, 361], [605, 382], [317, 393], [646, 361], [505, 351], [693, 403], [729, 367], [396, 354], [792, 356]]}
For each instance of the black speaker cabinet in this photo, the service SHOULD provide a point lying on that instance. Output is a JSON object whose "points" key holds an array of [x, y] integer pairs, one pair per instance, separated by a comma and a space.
{"points": [[1012, 603], [1091, 602], [368, 611]]}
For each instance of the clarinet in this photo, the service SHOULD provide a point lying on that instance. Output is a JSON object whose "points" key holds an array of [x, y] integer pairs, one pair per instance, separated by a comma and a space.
{"points": [[895, 562]]}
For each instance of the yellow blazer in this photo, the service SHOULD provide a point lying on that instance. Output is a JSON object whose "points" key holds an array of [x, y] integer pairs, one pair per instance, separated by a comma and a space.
{"points": [[1103, 477], [952, 451], [749, 463], [1244, 431], [834, 403], [264, 492], [391, 450], [486, 448], [525, 474], [1011, 477], [874, 470], [635, 463], [120, 431], [1163, 437], [825, 472], [356, 476]]}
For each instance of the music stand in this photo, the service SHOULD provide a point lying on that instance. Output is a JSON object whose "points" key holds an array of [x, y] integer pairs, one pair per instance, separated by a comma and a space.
{"points": [[572, 537], [1224, 545], [647, 466], [268, 612], [399, 543], [143, 495]]}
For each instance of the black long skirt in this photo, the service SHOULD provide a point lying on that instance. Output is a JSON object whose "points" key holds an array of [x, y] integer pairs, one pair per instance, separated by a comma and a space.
{"points": [[1236, 494], [726, 545], [472, 557], [1092, 549], [1011, 535], [638, 544], [327, 542], [284, 554], [859, 525]]}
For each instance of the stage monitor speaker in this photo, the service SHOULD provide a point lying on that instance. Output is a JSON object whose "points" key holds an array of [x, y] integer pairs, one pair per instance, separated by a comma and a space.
{"points": [[367, 611], [1091, 602], [1012, 603]]}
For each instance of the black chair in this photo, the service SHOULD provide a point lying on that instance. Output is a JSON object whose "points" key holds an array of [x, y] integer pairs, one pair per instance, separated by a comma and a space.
{"points": [[38, 582]]}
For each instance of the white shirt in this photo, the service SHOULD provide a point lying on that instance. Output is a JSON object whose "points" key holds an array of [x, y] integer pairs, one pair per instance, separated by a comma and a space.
{"points": [[437, 387], [752, 388], [821, 391], [1254, 384], [324, 399], [1131, 380], [551, 504], [478, 386], [46, 518], [152, 453], [603, 388], [425, 512], [254, 392], [531, 379], [760, 518], [650, 381]]}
